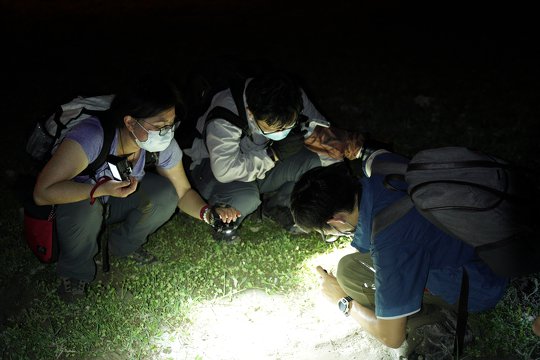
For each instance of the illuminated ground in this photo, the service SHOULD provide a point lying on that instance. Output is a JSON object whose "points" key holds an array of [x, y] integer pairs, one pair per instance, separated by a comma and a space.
{"points": [[254, 325]]}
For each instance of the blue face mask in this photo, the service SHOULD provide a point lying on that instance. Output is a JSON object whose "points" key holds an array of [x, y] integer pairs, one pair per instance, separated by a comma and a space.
{"points": [[279, 135]]}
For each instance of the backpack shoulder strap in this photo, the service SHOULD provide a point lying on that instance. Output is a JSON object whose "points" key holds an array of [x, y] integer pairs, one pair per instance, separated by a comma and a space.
{"points": [[219, 112], [237, 90], [390, 214], [462, 315], [108, 135]]}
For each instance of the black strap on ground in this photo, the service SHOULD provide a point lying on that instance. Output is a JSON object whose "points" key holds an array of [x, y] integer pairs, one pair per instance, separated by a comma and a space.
{"points": [[104, 237], [462, 315]]}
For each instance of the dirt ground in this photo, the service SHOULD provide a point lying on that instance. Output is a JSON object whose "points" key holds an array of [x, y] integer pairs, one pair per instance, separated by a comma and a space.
{"points": [[255, 325]]}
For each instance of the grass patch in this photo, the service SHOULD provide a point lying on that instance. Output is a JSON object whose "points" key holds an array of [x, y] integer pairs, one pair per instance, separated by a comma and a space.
{"points": [[131, 305]]}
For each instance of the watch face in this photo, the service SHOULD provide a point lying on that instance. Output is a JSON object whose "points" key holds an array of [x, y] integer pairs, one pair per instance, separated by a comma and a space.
{"points": [[343, 305]]}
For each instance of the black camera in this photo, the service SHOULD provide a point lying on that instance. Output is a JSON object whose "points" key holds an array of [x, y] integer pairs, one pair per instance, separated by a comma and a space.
{"points": [[222, 230], [120, 167], [222, 227]]}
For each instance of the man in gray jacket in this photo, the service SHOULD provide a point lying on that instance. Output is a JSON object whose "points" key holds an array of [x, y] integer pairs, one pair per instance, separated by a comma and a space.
{"points": [[234, 165]]}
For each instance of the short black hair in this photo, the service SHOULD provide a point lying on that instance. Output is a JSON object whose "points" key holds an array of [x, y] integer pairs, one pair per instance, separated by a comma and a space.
{"points": [[275, 98], [322, 192], [145, 96]]}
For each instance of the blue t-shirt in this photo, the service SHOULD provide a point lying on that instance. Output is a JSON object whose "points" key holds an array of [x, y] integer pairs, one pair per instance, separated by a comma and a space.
{"points": [[412, 256], [89, 134]]}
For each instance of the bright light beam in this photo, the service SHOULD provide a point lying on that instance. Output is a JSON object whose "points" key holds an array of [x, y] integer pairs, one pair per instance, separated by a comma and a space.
{"points": [[254, 325]]}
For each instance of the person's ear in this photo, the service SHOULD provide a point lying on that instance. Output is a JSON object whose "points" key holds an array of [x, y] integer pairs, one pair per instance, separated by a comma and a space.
{"points": [[129, 122]]}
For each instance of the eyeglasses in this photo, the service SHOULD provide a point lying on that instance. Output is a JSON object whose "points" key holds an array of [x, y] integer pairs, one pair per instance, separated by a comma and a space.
{"points": [[164, 130], [335, 233], [274, 131]]}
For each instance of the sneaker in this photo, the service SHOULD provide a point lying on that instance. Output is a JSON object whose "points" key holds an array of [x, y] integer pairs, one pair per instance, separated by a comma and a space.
{"points": [[142, 257], [71, 290]]}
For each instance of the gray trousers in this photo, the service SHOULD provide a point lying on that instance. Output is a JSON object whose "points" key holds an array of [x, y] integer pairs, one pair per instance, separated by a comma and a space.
{"points": [[134, 218], [246, 196]]}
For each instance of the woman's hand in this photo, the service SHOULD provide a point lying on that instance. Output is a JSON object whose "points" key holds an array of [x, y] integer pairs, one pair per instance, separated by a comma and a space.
{"points": [[227, 214], [119, 189], [329, 286]]}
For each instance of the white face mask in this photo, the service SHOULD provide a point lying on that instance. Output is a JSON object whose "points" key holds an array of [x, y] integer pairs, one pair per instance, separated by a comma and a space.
{"points": [[276, 136], [154, 142], [280, 135]]}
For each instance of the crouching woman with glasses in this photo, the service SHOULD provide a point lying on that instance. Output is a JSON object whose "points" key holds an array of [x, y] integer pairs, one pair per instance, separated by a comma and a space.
{"points": [[143, 115]]}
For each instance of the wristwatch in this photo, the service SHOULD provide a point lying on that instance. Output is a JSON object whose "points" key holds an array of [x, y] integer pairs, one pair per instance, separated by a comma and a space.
{"points": [[345, 305]]}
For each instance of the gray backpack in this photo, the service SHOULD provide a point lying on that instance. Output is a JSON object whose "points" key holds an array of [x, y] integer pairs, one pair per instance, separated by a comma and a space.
{"points": [[50, 130], [476, 197]]}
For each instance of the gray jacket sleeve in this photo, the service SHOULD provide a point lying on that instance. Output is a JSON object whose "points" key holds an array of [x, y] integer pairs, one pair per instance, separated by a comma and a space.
{"points": [[234, 158]]}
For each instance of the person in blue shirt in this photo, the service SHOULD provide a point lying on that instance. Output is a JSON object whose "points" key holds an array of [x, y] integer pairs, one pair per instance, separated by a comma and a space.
{"points": [[408, 268]]}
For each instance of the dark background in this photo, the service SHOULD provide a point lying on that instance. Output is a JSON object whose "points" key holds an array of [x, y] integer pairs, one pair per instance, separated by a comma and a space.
{"points": [[419, 74], [363, 63]]}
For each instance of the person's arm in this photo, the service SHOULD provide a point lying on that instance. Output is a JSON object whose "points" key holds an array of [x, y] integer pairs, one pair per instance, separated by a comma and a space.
{"points": [[328, 141], [390, 332], [229, 163], [190, 201], [54, 184]]}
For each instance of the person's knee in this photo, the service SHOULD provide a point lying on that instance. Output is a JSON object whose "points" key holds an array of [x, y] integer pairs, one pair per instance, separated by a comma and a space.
{"points": [[345, 269], [356, 278], [78, 228], [162, 195], [244, 200], [306, 160]]}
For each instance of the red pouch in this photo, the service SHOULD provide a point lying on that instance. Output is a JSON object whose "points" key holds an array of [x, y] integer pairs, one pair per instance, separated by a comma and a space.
{"points": [[40, 231]]}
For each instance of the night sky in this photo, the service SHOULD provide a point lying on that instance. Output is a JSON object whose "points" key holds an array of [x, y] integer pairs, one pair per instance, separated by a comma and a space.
{"points": [[53, 50]]}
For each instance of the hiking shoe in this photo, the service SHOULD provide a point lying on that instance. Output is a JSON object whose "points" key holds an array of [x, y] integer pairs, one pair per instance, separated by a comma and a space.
{"points": [[142, 257], [71, 290]]}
